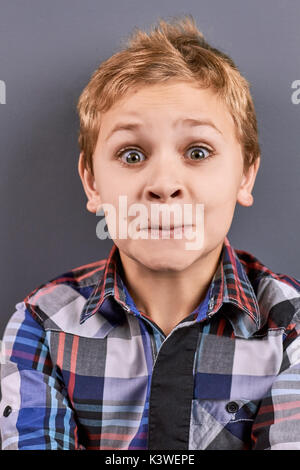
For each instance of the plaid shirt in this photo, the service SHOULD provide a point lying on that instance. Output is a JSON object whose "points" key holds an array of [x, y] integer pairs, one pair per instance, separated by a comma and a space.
{"points": [[84, 369]]}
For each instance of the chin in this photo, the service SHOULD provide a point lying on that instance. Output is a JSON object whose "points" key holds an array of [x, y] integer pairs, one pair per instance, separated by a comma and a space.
{"points": [[164, 259]]}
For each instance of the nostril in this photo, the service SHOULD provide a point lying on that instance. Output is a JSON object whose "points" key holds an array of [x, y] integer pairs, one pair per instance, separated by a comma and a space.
{"points": [[175, 194], [154, 195]]}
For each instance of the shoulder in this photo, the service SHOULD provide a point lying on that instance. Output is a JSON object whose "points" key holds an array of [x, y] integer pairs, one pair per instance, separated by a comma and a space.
{"points": [[257, 271], [64, 294], [278, 294], [262, 277], [55, 305]]}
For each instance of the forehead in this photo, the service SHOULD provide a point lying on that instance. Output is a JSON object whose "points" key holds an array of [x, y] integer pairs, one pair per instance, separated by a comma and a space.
{"points": [[169, 104]]}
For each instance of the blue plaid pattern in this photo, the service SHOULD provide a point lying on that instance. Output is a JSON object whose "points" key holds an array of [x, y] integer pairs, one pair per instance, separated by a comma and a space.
{"points": [[82, 368]]}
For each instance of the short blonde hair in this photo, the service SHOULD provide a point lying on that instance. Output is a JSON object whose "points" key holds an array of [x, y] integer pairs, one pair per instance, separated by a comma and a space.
{"points": [[172, 50]]}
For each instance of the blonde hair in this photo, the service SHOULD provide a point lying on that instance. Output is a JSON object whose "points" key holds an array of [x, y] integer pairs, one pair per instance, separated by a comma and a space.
{"points": [[171, 50]]}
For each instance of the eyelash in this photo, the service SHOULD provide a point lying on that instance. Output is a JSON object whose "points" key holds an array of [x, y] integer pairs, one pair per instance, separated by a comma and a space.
{"points": [[126, 149]]}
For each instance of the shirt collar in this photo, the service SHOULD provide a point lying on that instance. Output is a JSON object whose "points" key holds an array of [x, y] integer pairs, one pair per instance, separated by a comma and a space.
{"points": [[230, 286], [110, 284]]}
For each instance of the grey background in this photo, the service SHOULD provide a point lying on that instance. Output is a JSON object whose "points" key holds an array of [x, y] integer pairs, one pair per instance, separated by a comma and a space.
{"points": [[48, 50]]}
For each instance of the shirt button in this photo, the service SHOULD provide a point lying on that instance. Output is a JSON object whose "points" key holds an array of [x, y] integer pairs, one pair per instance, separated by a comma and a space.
{"points": [[232, 407], [7, 411]]}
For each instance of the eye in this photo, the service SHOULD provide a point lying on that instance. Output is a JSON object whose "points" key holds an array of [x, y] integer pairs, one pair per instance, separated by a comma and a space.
{"points": [[200, 152], [131, 156]]}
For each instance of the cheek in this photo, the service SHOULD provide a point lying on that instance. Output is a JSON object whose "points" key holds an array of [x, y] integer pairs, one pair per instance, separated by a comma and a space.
{"points": [[219, 190], [219, 204], [110, 186], [224, 181]]}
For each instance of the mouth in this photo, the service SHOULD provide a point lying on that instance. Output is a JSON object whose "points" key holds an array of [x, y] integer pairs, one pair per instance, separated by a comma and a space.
{"points": [[168, 228]]}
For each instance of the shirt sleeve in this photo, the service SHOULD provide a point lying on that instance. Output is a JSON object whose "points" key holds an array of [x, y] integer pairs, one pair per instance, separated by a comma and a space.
{"points": [[35, 412], [277, 424]]}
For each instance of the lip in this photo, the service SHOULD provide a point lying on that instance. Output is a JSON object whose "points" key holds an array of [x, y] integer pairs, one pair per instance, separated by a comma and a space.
{"points": [[169, 228]]}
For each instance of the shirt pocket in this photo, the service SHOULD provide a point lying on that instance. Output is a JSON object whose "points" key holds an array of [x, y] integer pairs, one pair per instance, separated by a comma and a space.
{"points": [[224, 411], [222, 424]]}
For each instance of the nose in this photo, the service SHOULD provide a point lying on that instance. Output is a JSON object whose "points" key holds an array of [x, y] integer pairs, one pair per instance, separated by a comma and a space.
{"points": [[164, 193], [164, 185]]}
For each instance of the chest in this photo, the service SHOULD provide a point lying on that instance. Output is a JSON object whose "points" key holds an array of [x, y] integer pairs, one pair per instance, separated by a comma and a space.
{"points": [[113, 383]]}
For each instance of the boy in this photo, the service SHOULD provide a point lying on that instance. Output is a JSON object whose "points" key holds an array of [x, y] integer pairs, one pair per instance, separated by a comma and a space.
{"points": [[160, 346]]}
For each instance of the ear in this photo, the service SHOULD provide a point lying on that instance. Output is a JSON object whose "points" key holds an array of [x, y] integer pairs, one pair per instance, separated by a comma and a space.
{"points": [[88, 182], [244, 196]]}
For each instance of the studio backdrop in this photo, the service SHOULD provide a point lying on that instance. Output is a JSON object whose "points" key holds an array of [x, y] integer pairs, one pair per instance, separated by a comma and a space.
{"points": [[48, 51]]}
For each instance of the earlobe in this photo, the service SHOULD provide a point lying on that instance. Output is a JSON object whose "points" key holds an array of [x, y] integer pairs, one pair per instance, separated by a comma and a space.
{"points": [[93, 206], [245, 198]]}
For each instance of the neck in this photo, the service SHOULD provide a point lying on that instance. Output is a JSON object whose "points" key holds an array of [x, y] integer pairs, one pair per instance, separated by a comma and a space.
{"points": [[177, 294]]}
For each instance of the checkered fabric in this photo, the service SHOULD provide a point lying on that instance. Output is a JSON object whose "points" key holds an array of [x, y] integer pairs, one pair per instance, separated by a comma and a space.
{"points": [[84, 369]]}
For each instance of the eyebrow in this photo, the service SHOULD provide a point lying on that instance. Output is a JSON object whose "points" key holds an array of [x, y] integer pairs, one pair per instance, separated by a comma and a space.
{"points": [[186, 121]]}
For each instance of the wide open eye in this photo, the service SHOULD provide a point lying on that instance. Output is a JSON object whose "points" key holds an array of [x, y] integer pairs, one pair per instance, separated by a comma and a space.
{"points": [[200, 152], [131, 156]]}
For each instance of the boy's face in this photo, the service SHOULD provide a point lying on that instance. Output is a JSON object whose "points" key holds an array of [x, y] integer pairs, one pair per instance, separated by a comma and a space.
{"points": [[168, 163]]}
